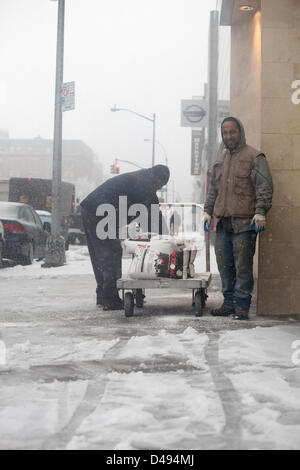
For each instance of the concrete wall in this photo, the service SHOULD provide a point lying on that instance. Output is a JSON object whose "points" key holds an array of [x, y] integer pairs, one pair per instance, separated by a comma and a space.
{"points": [[265, 62], [245, 89], [279, 260], [245, 86]]}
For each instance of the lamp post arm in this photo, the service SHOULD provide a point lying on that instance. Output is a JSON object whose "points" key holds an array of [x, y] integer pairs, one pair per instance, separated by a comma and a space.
{"points": [[133, 112], [163, 149], [148, 119]]}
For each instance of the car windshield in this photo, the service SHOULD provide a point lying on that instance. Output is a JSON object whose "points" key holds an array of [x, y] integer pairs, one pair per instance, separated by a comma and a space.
{"points": [[45, 218], [8, 210]]}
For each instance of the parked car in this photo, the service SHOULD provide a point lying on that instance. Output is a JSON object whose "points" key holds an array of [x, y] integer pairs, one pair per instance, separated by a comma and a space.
{"points": [[1, 242], [76, 230], [25, 237], [46, 218]]}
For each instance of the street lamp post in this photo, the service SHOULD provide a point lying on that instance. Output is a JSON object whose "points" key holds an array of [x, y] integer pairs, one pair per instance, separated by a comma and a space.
{"points": [[153, 120], [163, 148], [55, 250], [173, 189], [166, 160]]}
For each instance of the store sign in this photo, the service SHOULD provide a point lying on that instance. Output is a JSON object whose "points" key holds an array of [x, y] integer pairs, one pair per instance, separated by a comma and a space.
{"points": [[197, 151], [296, 94], [194, 113]]}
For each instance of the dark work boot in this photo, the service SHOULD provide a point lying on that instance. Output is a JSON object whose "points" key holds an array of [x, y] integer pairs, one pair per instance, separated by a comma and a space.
{"points": [[241, 314], [113, 304], [223, 311], [99, 301]]}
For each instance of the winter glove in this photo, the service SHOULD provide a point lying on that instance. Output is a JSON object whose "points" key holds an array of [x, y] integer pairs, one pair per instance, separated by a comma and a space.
{"points": [[206, 221], [259, 222]]}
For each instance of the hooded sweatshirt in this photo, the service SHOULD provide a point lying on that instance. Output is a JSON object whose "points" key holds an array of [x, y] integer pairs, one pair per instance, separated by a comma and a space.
{"points": [[241, 185], [138, 186]]}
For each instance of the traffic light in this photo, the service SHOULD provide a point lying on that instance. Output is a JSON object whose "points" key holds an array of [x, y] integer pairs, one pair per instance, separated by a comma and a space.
{"points": [[115, 168]]}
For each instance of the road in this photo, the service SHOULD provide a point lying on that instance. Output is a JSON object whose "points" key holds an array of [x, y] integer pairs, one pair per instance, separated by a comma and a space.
{"points": [[75, 377]]}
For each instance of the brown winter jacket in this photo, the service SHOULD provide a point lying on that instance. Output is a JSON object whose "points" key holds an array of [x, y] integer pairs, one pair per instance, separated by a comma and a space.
{"points": [[241, 185]]}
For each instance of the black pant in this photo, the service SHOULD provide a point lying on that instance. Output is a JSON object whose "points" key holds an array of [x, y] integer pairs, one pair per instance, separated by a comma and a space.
{"points": [[106, 259]]}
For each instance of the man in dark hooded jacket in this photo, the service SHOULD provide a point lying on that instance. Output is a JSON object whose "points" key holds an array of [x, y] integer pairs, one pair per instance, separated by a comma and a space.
{"points": [[139, 187], [239, 196]]}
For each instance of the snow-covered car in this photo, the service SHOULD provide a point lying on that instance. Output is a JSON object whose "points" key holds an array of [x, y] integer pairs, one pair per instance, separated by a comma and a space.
{"points": [[1, 241], [46, 218], [76, 230], [25, 237]]}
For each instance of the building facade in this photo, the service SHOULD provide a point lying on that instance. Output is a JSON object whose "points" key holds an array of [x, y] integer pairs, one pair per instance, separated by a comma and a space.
{"points": [[33, 158], [265, 95]]}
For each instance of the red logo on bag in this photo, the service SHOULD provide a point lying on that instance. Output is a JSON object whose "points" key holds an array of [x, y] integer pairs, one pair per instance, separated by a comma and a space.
{"points": [[173, 258]]}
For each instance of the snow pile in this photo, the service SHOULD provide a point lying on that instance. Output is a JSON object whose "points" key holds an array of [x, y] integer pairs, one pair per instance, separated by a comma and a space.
{"points": [[188, 390], [186, 347], [259, 364], [37, 409], [152, 411], [57, 350], [77, 262]]}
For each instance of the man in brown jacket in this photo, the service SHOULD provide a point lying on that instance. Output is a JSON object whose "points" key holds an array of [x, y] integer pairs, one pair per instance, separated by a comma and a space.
{"points": [[239, 196]]}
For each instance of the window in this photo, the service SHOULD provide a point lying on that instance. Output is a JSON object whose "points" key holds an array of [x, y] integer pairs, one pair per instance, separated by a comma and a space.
{"points": [[37, 220], [27, 215]]}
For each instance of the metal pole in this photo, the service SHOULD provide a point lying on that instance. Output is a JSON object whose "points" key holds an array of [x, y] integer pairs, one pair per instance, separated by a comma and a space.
{"points": [[55, 246], [153, 120], [207, 251], [205, 160], [153, 141], [213, 59], [57, 143], [213, 87], [167, 164]]}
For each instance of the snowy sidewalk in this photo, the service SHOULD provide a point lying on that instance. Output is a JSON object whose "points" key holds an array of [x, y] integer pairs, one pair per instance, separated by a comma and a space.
{"points": [[78, 378]]}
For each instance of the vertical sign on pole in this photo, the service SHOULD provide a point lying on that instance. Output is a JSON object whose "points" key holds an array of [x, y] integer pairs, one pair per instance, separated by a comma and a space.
{"points": [[197, 150], [68, 96]]}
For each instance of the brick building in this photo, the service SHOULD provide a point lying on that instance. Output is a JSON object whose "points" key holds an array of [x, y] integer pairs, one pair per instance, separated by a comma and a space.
{"points": [[33, 158]]}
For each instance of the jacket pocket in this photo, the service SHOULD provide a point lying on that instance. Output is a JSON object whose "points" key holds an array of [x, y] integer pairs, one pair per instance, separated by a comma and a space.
{"points": [[242, 180], [243, 186], [243, 169]]}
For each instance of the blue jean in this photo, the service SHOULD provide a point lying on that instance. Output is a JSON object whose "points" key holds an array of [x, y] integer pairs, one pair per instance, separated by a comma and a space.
{"points": [[234, 254]]}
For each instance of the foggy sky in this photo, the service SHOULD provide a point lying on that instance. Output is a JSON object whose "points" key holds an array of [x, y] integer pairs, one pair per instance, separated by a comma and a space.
{"points": [[137, 54]]}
